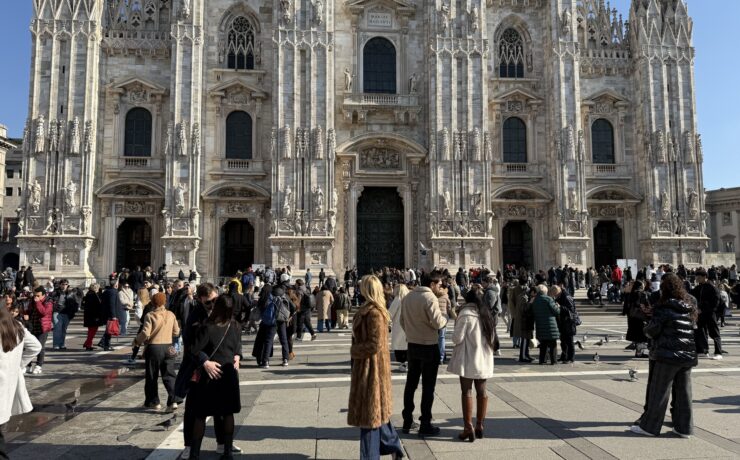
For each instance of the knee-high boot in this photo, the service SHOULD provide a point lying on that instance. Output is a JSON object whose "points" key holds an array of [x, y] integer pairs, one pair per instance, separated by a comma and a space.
{"points": [[481, 415], [467, 408]]}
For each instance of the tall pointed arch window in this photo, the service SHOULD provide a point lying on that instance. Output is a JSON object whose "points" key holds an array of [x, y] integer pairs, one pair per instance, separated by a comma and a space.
{"points": [[515, 140], [379, 66], [138, 133], [511, 54], [239, 136], [240, 44], [602, 142]]}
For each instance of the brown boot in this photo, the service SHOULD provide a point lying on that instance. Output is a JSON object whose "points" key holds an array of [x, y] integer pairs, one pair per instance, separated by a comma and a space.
{"points": [[482, 408], [467, 407]]}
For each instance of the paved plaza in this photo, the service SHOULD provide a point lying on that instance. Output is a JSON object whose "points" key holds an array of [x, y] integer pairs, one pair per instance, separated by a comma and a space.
{"points": [[89, 406]]}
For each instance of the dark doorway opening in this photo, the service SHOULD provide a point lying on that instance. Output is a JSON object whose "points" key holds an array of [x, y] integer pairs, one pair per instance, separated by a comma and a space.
{"points": [[12, 260], [607, 243], [134, 244], [380, 235], [237, 246], [517, 243]]}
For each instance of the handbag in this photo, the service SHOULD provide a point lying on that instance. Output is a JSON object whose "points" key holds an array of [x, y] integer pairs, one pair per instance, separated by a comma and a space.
{"points": [[197, 373], [113, 328]]}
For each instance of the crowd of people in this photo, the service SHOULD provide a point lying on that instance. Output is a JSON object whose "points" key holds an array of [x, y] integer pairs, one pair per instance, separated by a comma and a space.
{"points": [[670, 315]]}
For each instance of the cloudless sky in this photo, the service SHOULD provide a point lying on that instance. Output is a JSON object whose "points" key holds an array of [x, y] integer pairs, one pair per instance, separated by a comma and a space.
{"points": [[717, 75]]}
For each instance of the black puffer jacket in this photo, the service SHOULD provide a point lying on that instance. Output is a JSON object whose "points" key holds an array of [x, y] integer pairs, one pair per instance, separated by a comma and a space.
{"points": [[672, 331]]}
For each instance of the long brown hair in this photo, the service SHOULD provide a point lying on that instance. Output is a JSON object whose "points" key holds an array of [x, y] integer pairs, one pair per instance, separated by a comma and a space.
{"points": [[223, 310], [672, 287], [11, 331]]}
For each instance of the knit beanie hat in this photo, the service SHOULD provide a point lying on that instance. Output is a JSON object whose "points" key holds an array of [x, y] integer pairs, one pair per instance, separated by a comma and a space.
{"points": [[159, 299]]}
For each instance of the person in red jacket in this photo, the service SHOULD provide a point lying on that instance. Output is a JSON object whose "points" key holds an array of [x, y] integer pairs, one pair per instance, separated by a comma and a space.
{"points": [[41, 324]]}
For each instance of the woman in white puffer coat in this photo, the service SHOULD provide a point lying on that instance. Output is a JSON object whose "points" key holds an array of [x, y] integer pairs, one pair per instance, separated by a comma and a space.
{"points": [[398, 336], [19, 348]]}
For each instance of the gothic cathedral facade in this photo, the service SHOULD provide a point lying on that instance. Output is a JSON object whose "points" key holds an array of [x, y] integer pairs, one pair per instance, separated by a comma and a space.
{"points": [[213, 134]]}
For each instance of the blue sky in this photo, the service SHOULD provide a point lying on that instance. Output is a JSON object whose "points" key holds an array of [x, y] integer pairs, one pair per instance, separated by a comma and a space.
{"points": [[717, 74]]}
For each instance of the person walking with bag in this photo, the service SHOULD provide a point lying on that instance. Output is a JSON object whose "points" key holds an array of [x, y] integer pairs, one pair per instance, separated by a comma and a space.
{"points": [[370, 391], [18, 349], [472, 359], [672, 356], [109, 312], [215, 390], [41, 310], [92, 317], [160, 327]]}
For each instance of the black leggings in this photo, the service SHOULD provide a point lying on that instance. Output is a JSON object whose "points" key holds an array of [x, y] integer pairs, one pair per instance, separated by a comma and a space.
{"points": [[466, 386], [199, 430], [547, 347]]}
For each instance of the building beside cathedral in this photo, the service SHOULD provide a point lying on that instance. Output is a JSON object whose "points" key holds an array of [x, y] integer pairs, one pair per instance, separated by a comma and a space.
{"points": [[213, 134]]}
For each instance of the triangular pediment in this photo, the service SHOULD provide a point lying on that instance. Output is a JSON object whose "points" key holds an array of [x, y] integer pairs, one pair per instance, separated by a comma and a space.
{"points": [[136, 83], [517, 94], [236, 85], [397, 5], [607, 95]]}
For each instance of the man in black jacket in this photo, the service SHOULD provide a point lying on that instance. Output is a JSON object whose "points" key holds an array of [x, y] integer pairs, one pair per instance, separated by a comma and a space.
{"points": [[136, 280], [303, 317], [109, 310], [707, 297]]}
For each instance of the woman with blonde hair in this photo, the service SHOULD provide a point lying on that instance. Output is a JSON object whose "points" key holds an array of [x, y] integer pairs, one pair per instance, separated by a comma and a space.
{"points": [[398, 336], [370, 398]]}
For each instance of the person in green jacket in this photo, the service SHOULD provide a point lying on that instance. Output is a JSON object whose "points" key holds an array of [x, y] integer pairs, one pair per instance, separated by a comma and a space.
{"points": [[546, 312]]}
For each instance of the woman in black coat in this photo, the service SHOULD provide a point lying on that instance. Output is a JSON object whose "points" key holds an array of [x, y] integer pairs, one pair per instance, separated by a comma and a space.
{"points": [[634, 303], [672, 356], [216, 393], [93, 316]]}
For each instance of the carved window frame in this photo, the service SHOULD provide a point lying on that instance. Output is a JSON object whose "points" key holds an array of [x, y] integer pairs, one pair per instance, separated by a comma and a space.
{"points": [[126, 129], [395, 40], [613, 153], [122, 105], [615, 115], [227, 110], [248, 49], [226, 134], [527, 121], [240, 10]]}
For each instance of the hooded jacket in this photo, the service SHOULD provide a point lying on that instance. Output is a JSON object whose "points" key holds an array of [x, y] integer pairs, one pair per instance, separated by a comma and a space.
{"points": [[672, 331]]}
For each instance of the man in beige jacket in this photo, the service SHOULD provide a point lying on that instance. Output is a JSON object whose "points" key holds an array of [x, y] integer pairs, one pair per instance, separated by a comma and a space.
{"points": [[421, 320]]}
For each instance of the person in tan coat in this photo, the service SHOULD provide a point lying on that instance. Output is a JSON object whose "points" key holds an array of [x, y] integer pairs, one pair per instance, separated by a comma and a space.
{"points": [[324, 299], [520, 318], [160, 327], [370, 396]]}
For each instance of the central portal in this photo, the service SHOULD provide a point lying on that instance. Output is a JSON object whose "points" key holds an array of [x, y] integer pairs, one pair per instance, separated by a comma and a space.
{"points": [[517, 244], [237, 246], [380, 232]]}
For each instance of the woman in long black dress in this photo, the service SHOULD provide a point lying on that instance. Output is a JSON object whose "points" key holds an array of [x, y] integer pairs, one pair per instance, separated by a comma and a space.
{"points": [[636, 318], [217, 392]]}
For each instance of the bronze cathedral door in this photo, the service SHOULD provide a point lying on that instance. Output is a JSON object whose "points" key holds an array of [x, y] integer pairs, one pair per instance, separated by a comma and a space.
{"points": [[380, 229]]}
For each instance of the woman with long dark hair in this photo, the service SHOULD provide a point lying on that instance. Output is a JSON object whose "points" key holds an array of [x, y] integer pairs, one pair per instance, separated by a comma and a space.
{"points": [[18, 349], [672, 355], [217, 395], [472, 359]]}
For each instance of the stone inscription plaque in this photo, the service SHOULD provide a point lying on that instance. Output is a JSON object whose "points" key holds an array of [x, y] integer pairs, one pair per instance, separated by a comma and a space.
{"points": [[384, 20]]}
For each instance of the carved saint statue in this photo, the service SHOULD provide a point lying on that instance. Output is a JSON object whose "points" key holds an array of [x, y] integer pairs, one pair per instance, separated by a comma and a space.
{"points": [[446, 204], [347, 80], [185, 10], [476, 204], [182, 140], [693, 202], [167, 222], [38, 141], [285, 11], [195, 221], [318, 200], [699, 149], [196, 139], [70, 197], [287, 200], [180, 198], [665, 205], [88, 147], [318, 11], [660, 146], [444, 17], [581, 146], [21, 215], [318, 143], [572, 200], [53, 136], [445, 142], [74, 137], [287, 143], [476, 145], [474, 18], [413, 81], [565, 22], [86, 213], [434, 227], [168, 140], [34, 195], [53, 222], [332, 140], [332, 221], [273, 143], [688, 149]]}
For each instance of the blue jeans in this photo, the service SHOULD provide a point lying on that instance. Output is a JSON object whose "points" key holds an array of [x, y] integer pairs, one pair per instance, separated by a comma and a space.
{"points": [[441, 343], [60, 330], [380, 441], [123, 318], [323, 323]]}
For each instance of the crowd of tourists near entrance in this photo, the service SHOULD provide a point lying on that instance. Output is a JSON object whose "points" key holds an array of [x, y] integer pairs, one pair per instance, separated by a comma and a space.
{"points": [[192, 334]]}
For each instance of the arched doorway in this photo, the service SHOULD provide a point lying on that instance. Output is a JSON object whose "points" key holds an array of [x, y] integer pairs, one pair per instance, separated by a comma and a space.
{"points": [[12, 260], [607, 243], [517, 244], [380, 232], [237, 246], [134, 244]]}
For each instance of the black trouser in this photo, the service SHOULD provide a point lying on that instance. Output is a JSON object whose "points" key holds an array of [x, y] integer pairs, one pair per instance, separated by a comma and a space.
{"points": [[157, 362], [282, 332], [651, 366], [568, 346], [189, 420], [424, 364], [3, 448], [547, 347], [400, 355], [496, 342], [523, 349], [304, 319], [40, 357], [267, 341], [707, 324], [664, 379]]}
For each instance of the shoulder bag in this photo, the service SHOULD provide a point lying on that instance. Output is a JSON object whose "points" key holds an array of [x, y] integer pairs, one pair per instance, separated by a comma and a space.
{"points": [[198, 372]]}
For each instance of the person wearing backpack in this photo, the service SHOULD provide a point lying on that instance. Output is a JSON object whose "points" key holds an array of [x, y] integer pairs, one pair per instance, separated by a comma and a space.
{"points": [[276, 311]]}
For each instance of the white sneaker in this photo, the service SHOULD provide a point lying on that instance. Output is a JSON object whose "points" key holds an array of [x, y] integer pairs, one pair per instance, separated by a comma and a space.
{"points": [[716, 357], [285, 363], [681, 435], [234, 449], [637, 430], [497, 353], [185, 455], [172, 407], [36, 370]]}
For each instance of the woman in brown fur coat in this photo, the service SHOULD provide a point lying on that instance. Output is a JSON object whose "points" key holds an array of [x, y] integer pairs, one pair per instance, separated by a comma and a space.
{"points": [[370, 398]]}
